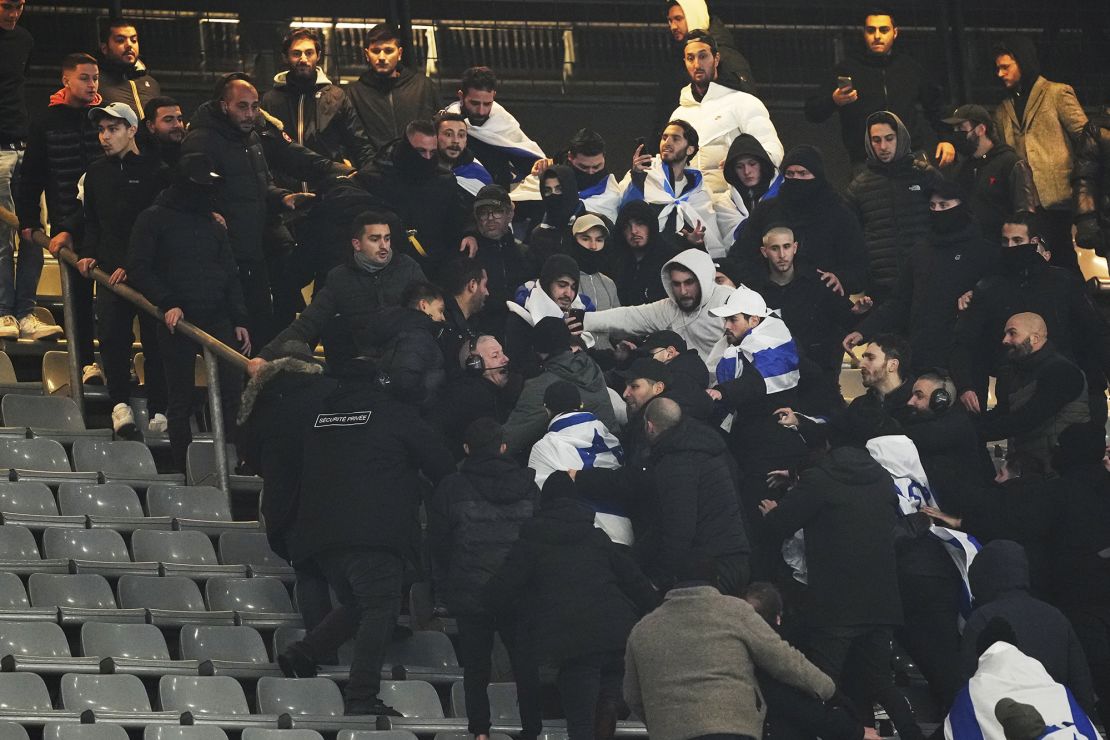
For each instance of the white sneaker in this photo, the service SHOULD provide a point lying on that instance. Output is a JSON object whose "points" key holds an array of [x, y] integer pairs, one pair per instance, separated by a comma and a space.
{"points": [[9, 327], [123, 421], [158, 424], [92, 375], [31, 328]]}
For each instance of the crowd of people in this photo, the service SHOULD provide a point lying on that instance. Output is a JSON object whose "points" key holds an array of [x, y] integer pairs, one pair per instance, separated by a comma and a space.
{"points": [[612, 385]]}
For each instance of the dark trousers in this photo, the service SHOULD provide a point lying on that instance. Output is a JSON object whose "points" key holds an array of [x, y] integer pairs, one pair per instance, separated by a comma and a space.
{"points": [[476, 633], [1057, 226], [932, 606], [368, 584], [586, 684], [733, 574], [178, 361], [862, 653], [255, 280], [1093, 630], [82, 291], [115, 318]]}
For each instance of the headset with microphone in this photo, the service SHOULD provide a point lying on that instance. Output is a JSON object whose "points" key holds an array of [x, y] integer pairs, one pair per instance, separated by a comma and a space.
{"points": [[475, 364], [940, 399]]}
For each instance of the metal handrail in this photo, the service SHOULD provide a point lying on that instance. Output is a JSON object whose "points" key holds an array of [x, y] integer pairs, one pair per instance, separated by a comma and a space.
{"points": [[213, 348]]}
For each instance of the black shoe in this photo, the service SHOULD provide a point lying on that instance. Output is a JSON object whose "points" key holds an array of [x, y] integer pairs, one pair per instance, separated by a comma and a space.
{"points": [[378, 708], [296, 661]]}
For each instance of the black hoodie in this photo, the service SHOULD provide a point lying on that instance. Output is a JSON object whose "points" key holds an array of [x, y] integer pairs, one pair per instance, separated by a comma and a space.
{"points": [[746, 145], [1022, 49], [474, 519], [999, 578], [552, 234], [638, 276], [387, 104]]}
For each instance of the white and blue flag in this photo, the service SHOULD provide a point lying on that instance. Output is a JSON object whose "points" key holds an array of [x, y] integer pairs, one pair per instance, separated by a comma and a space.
{"points": [[771, 349], [472, 176]]}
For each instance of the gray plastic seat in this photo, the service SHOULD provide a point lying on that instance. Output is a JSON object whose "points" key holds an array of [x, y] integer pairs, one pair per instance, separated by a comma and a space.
{"points": [[263, 603], [502, 701], [318, 697], [108, 506], [200, 468], [171, 601], [19, 553], [467, 736], [138, 649], [221, 695], [121, 461], [183, 732], [375, 735], [99, 551], [104, 693], [52, 417], [187, 554], [39, 647], [43, 460], [203, 508], [31, 504], [264, 733], [14, 605], [13, 730], [227, 651], [79, 598], [68, 731], [252, 549], [424, 649], [412, 698], [24, 692]]}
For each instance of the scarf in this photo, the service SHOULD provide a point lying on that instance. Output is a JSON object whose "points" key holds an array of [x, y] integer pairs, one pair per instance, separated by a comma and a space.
{"points": [[693, 205], [770, 348], [533, 303], [366, 264]]}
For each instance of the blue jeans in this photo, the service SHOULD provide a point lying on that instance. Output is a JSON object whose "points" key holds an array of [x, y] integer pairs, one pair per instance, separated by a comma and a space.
{"points": [[18, 287]]}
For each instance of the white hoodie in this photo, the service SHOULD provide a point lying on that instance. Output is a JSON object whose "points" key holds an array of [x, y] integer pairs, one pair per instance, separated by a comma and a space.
{"points": [[699, 328], [719, 117]]}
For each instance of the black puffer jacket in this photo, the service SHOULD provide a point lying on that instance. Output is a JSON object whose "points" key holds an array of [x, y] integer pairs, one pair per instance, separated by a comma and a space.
{"points": [[116, 192], [848, 508], [319, 116], [180, 258], [428, 204], [578, 591], [387, 104], [891, 201], [638, 276], [699, 510], [998, 185], [325, 231], [474, 520], [894, 82], [116, 80], [247, 194], [940, 269], [377, 456], [999, 578], [62, 144], [353, 297]]}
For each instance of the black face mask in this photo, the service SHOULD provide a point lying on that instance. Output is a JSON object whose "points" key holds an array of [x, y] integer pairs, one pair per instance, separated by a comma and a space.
{"points": [[589, 261], [195, 197], [950, 221], [798, 191], [1023, 257], [412, 165], [966, 144]]}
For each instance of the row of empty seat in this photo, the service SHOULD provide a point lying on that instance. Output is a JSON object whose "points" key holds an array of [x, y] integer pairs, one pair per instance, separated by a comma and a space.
{"points": [[60, 731], [94, 460]]}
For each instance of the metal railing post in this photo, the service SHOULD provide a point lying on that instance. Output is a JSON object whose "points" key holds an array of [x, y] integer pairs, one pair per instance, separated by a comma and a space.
{"points": [[215, 408], [69, 320]]}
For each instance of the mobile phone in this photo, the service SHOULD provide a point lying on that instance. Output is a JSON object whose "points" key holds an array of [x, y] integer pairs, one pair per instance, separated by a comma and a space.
{"points": [[578, 314], [844, 83], [638, 142]]}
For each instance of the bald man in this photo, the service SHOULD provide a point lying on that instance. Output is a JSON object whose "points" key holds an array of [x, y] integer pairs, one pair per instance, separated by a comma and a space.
{"points": [[1040, 392], [223, 128]]}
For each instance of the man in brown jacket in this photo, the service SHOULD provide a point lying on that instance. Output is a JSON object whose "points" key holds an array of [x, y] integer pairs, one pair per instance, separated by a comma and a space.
{"points": [[1044, 122], [690, 665]]}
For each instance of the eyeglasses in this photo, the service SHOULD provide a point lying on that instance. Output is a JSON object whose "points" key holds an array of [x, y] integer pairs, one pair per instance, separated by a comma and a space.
{"points": [[490, 214]]}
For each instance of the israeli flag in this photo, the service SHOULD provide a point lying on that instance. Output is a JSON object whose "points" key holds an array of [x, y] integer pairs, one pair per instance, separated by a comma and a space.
{"points": [[502, 131], [472, 176], [603, 198], [1006, 672], [771, 349], [898, 454]]}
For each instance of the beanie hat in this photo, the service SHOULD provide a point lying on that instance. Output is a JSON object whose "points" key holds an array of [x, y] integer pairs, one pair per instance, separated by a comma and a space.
{"points": [[550, 336], [557, 266], [807, 156], [562, 397]]}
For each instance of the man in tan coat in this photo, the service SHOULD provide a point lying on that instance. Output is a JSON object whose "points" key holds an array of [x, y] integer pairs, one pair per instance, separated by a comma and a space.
{"points": [[1044, 122]]}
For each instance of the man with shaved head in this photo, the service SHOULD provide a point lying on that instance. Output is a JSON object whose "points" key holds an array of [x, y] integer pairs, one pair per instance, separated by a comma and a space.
{"points": [[223, 128], [1040, 392]]}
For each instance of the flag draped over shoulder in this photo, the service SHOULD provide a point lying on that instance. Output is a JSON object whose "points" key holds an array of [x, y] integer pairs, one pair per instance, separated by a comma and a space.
{"points": [[502, 130], [771, 349], [472, 176]]}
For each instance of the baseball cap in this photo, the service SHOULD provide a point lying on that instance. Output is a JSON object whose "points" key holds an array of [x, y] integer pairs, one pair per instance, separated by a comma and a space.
{"points": [[115, 110], [742, 300], [648, 369], [197, 168], [662, 340], [492, 195], [587, 221], [969, 112]]}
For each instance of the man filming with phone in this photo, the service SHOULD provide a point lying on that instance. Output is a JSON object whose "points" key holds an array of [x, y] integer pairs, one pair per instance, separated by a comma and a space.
{"points": [[879, 78]]}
